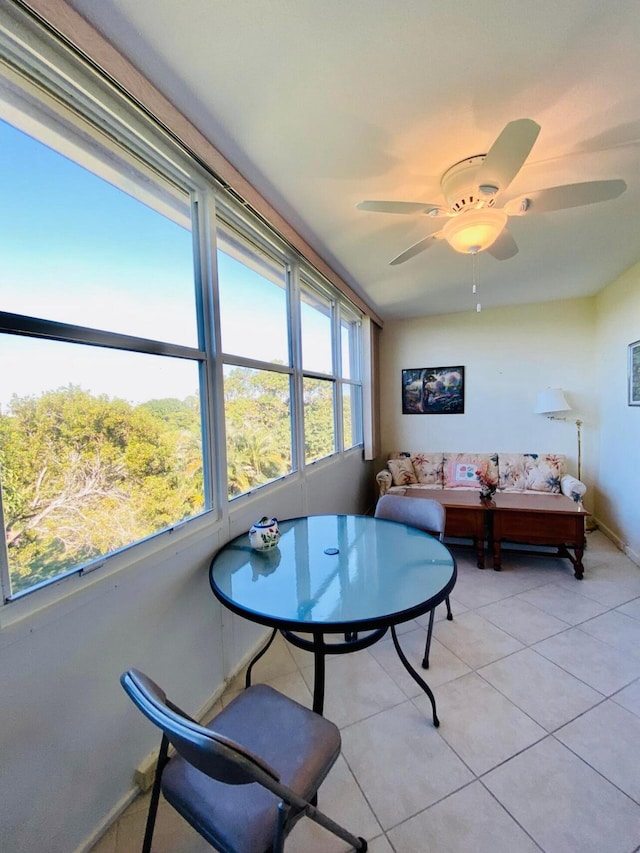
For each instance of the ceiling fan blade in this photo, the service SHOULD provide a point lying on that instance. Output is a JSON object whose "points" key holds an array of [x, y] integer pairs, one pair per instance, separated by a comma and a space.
{"points": [[420, 246], [568, 195], [507, 155], [505, 247], [399, 207]]}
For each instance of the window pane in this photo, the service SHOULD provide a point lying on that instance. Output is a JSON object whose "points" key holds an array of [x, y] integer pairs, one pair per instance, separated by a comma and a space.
{"points": [[253, 303], [316, 332], [258, 420], [98, 449], [77, 249], [350, 415], [347, 418], [349, 340], [319, 432]]}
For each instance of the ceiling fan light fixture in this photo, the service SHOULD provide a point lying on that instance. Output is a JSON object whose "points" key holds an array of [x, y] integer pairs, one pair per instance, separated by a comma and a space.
{"points": [[474, 230]]}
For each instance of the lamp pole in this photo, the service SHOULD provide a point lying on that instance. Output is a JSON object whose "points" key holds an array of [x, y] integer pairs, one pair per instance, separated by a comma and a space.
{"points": [[579, 426]]}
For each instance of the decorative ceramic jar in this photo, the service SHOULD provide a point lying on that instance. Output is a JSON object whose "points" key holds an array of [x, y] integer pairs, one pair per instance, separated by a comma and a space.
{"points": [[264, 534]]}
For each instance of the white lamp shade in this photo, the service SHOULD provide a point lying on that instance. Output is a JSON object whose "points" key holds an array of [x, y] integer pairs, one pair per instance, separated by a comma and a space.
{"points": [[474, 230], [551, 400]]}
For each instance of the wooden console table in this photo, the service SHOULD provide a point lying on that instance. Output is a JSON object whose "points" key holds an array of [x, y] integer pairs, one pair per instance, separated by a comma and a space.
{"points": [[521, 518], [466, 515], [553, 520]]}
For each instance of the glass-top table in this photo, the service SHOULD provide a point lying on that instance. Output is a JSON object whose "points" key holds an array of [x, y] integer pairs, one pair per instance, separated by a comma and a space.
{"points": [[348, 575]]}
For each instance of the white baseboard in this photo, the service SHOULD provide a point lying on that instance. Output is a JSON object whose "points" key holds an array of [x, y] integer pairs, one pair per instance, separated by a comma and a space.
{"points": [[630, 553]]}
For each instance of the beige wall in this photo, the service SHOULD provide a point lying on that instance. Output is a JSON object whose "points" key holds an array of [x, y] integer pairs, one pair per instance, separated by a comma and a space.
{"points": [[617, 493], [509, 354]]}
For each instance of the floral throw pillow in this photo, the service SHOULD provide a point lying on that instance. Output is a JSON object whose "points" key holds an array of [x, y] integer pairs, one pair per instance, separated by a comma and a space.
{"points": [[513, 477], [461, 469], [428, 469], [544, 471], [402, 472]]}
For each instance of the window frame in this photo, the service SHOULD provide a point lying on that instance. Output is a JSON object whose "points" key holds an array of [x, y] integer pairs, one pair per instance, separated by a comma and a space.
{"points": [[38, 57], [93, 107]]}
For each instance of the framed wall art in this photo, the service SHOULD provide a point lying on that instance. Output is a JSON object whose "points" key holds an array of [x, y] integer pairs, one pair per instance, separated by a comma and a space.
{"points": [[634, 374], [433, 391]]}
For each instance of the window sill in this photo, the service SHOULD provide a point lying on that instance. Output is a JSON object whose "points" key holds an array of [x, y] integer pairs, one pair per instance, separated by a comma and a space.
{"points": [[75, 590]]}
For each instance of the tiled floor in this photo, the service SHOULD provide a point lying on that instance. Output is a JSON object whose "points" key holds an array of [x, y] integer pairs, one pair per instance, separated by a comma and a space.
{"points": [[537, 682]]}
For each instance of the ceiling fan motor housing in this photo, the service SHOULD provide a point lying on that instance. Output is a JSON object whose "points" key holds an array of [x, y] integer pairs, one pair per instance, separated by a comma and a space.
{"points": [[460, 188]]}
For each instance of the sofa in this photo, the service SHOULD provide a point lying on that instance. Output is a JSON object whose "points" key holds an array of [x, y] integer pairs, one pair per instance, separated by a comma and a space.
{"points": [[538, 473], [522, 499]]}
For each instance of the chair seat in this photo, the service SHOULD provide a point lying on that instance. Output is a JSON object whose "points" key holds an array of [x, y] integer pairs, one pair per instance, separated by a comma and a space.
{"points": [[243, 818]]}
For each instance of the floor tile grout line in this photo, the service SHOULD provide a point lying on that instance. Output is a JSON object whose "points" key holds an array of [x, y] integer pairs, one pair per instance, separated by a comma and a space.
{"points": [[595, 770], [524, 711], [513, 817], [606, 642]]}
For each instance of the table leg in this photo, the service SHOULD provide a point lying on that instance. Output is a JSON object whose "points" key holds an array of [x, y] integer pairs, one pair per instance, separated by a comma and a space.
{"points": [[247, 680], [479, 546], [497, 558], [318, 671], [577, 566], [415, 676], [576, 559]]}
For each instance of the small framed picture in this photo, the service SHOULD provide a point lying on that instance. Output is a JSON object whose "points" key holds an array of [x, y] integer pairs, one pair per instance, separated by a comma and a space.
{"points": [[433, 391], [634, 374]]}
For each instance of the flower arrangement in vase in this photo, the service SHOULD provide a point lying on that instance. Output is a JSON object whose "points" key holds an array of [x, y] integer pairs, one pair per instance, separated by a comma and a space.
{"points": [[488, 483]]}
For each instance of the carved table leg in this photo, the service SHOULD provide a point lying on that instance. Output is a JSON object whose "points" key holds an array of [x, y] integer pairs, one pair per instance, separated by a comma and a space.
{"points": [[497, 557], [578, 568]]}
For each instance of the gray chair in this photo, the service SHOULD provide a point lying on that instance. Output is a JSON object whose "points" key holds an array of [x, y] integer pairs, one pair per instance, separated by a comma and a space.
{"points": [[261, 737], [425, 514]]}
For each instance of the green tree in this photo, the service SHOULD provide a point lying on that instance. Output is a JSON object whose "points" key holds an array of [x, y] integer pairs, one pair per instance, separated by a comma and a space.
{"points": [[83, 475], [258, 425], [319, 430]]}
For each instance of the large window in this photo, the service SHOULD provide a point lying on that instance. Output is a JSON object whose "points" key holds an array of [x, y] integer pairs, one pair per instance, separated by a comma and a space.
{"points": [[317, 313], [351, 373], [101, 359], [291, 352], [254, 331], [141, 373]]}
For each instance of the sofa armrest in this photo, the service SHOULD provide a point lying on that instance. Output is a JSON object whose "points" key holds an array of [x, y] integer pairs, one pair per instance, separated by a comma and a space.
{"points": [[384, 480], [572, 488]]}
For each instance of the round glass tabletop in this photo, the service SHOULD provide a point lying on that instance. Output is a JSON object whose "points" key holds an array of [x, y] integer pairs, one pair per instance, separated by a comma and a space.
{"points": [[335, 571]]}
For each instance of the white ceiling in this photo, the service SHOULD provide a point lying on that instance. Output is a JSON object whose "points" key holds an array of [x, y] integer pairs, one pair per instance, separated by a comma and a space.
{"points": [[324, 103]]}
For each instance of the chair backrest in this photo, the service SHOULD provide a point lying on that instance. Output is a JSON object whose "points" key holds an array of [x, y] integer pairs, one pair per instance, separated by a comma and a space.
{"points": [[214, 754], [424, 513]]}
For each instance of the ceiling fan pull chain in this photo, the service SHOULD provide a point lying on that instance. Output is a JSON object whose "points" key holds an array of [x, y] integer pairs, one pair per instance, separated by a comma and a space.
{"points": [[476, 278]]}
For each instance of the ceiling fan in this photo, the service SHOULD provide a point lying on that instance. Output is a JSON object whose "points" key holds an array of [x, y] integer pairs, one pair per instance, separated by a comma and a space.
{"points": [[472, 187]]}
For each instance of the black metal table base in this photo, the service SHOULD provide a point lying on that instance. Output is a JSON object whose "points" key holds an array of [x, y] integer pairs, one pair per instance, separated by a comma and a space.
{"points": [[263, 650], [419, 681], [353, 643]]}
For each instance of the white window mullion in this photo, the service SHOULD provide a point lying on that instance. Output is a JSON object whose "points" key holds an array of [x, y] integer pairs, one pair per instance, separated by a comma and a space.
{"points": [[5, 577], [214, 461], [337, 372], [295, 337]]}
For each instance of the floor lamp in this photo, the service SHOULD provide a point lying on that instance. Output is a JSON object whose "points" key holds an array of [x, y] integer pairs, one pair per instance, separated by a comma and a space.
{"points": [[552, 400]]}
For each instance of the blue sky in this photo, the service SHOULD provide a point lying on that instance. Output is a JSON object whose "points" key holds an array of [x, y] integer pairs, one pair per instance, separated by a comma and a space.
{"points": [[66, 235], [77, 249]]}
